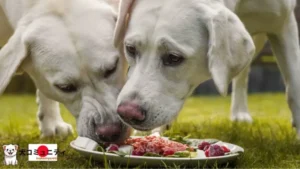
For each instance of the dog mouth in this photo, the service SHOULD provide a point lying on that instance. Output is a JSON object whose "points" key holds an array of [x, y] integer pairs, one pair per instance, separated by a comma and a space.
{"points": [[141, 128], [111, 134]]}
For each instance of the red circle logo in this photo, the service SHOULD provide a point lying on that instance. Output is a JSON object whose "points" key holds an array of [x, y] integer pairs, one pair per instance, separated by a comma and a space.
{"points": [[42, 151]]}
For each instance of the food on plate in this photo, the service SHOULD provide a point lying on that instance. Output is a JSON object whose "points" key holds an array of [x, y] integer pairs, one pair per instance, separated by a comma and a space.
{"points": [[159, 146], [225, 149], [203, 145], [180, 139], [213, 150], [156, 146], [112, 147]]}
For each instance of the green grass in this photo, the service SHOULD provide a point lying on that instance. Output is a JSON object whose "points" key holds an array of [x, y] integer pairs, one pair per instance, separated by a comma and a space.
{"points": [[269, 142]]}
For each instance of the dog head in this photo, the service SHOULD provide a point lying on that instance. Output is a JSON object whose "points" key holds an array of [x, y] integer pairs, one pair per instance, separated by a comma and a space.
{"points": [[10, 150], [172, 47], [67, 49]]}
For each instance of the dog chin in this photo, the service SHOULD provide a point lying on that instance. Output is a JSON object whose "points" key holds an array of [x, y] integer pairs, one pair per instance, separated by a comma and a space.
{"points": [[140, 128]]}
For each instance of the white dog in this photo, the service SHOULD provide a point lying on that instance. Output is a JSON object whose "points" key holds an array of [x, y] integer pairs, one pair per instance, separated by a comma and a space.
{"points": [[10, 154], [172, 46], [66, 46]]}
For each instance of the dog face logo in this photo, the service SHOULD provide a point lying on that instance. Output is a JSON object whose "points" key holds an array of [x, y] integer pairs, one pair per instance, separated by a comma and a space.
{"points": [[10, 152]]}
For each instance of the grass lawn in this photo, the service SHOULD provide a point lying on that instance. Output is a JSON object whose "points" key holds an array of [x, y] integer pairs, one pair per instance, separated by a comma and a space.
{"points": [[269, 142]]}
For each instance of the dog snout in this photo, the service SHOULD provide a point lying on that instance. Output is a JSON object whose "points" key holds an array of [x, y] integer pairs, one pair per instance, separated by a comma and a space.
{"points": [[131, 113], [109, 132]]}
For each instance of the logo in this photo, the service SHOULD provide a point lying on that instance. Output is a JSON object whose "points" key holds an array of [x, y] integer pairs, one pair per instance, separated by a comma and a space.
{"points": [[10, 154], [42, 152]]}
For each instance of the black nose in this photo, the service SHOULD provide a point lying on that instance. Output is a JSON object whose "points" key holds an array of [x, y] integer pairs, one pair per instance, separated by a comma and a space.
{"points": [[109, 132]]}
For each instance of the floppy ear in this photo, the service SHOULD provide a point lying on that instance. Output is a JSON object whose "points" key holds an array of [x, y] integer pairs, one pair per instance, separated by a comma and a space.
{"points": [[11, 56], [121, 25], [231, 47], [4, 147], [16, 147]]}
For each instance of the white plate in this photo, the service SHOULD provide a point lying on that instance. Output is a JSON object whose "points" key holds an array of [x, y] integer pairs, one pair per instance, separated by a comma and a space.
{"points": [[88, 147]]}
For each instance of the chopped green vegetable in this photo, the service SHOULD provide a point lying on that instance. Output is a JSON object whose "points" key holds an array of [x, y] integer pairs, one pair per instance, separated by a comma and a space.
{"points": [[180, 139], [191, 149], [182, 153], [152, 154]]}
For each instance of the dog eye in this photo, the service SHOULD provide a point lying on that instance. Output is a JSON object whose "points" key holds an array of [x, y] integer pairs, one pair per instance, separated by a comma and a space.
{"points": [[111, 71], [69, 88], [131, 50], [172, 60]]}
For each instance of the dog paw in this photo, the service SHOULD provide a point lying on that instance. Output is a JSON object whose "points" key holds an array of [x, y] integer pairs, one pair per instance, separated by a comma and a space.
{"points": [[242, 117], [59, 129]]}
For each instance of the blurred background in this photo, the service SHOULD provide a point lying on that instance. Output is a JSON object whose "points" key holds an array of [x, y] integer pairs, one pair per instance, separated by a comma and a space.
{"points": [[264, 75]]}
